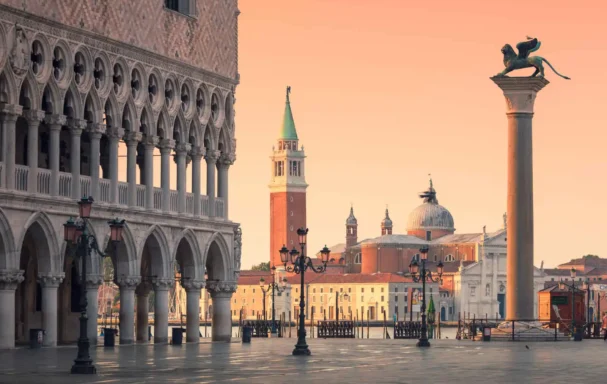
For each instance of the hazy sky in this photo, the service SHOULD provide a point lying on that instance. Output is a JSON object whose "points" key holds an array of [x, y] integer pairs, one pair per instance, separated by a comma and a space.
{"points": [[386, 91]]}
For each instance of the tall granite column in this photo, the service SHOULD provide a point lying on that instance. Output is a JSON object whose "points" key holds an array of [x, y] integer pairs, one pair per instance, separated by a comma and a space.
{"points": [[192, 329], [95, 131], [161, 309], [114, 134], [8, 116], [181, 151], [127, 286], [54, 122], [149, 142], [211, 159], [132, 140], [76, 127], [196, 154], [520, 93], [9, 280]]}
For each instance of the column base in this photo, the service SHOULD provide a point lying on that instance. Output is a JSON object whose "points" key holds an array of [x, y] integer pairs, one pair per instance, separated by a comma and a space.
{"points": [[127, 342], [161, 340], [423, 343], [84, 368], [301, 350]]}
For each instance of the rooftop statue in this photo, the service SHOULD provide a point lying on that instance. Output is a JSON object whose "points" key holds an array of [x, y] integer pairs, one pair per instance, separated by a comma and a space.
{"points": [[512, 61]]}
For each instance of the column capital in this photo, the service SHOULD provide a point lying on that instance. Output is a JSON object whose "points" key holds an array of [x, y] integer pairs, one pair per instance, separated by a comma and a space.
{"points": [[226, 159], [10, 112], [128, 282], [76, 126], [520, 92], [211, 156], [114, 132], [150, 141], [50, 281], [162, 284], [55, 121], [166, 143], [133, 138], [192, 285], [94, 281], [221, 287], [182, 148], [197, 152], [96, 130], [10, 279], [34, 116]]}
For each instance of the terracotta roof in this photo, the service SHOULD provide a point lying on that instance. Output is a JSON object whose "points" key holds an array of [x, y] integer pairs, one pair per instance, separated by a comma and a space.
{"points": [[249, 272], [253, 279], [560, 272], [362, 278], [601, 271], [309, 277], [593, 261], [553, 286]]}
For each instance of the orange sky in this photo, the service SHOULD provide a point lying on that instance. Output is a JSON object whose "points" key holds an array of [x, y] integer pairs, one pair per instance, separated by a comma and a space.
{"points": [[387, 91]]}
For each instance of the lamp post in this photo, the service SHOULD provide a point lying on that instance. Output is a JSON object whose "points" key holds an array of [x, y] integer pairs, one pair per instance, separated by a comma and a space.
{"points": [[424, 275], [300, 263], [76, 232], [274, 287]]}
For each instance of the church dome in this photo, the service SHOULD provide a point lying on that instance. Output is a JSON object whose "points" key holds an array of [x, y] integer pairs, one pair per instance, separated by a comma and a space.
{"points": [[430, 215]]}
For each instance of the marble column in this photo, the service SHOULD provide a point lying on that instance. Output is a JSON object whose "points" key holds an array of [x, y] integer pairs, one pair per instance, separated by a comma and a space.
{"points": [[76, 126], [34, 117], [143, 310], [166, 146], [127, 286], [95, 132], [520, 94], [161, 309], [8, 116], [211, 158], [221, 294], [223, 165], [9, 280], [114, 134], [132, 140], [181, 151], [93, 282], [196, 154], [192, 289], [54, 122], [49, 284], [149, 142]]}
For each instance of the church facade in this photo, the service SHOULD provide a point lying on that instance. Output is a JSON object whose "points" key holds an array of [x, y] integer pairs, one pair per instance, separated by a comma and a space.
{"points": [[119, 108]]}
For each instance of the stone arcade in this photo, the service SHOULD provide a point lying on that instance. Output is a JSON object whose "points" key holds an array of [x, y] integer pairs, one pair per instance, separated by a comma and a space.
{"points": [[74, 96]]}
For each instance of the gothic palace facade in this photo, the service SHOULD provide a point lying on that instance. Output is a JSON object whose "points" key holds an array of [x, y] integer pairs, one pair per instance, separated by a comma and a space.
{"points": [[119, 100]]}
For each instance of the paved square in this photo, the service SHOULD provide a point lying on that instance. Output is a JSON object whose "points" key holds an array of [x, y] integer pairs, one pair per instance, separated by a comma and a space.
{"points": [[332, 361]]}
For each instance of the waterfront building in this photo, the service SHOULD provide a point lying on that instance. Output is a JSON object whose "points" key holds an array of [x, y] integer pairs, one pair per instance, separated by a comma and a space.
{"points": [[99, 99]]}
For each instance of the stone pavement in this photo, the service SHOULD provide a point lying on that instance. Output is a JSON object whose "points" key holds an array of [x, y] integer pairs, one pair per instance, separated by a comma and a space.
{"points": [[332, 361]]}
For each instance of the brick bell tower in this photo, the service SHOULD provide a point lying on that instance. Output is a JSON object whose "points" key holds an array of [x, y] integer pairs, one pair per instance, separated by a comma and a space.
{"points": [[287, 188]]}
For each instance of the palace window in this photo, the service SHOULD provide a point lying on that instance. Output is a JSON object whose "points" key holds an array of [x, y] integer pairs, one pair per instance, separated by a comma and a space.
{"points": [[349, 290], [372, 290], [435, 258], [382, 289], [472, 291], [362, 290], [321, 290], [314, 299], [187, 7], [396, 299], [487, 290], [449, 258], [321, 299], [382, 299], [330, 290]]}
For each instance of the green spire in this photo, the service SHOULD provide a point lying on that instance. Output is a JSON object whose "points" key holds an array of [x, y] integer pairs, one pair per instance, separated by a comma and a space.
{"points": [[431, 306], [288, 131]]}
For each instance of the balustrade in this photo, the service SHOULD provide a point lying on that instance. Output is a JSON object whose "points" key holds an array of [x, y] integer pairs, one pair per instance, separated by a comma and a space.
{"points": [[65, 185], [21, 177]]}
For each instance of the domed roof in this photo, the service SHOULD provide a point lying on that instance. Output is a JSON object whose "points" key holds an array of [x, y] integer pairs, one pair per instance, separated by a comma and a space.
{"points": [[351, 220], [430, 215], [386, 222]]}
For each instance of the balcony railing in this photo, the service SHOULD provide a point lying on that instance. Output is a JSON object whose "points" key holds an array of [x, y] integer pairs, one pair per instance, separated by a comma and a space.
{"points": [[43, 187]]}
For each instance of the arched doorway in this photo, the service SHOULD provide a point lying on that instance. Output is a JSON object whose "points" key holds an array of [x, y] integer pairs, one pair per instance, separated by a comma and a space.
{"points": [[220, 287], [188, 272], [443, 314]]}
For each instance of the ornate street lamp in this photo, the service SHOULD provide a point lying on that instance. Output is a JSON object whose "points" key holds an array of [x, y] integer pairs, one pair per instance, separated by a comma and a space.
{"points": [[274, 286], [301, 263], [423, 276], [76, 233]]}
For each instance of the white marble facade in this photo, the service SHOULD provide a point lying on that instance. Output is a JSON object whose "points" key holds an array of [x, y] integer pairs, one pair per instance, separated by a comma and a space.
{"points": [[69, 101]]}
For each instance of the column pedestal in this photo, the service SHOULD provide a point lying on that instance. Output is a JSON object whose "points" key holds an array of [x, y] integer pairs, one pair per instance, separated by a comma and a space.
{"points": [[9, 280], [161, 309], [49, 308], [127, 308], [92, 309], [221, 294], [520, 94], [192, 289]]}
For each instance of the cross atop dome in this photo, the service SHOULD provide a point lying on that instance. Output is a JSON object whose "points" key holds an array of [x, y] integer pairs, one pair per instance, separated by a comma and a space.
{"points": [[429, 195]]}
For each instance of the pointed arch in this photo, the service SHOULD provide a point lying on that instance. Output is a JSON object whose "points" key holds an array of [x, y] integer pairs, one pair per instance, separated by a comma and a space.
{"points": [[93, 110], [208, 137], [8, 88], [72, 105], [111, 106], [195, 134], [10, 258], [29, 97], [224, 143], [187, 238], [125, 264], [217, 258], [164, 124], [147, 125], [180, 128], [156, 239], [129, 120], [45, 238], [51, 101]]}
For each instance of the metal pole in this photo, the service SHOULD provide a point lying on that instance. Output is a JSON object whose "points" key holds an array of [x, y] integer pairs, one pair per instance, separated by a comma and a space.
{"points": [[301, 348], [273, 314], [573, 308], [83, 363]]}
